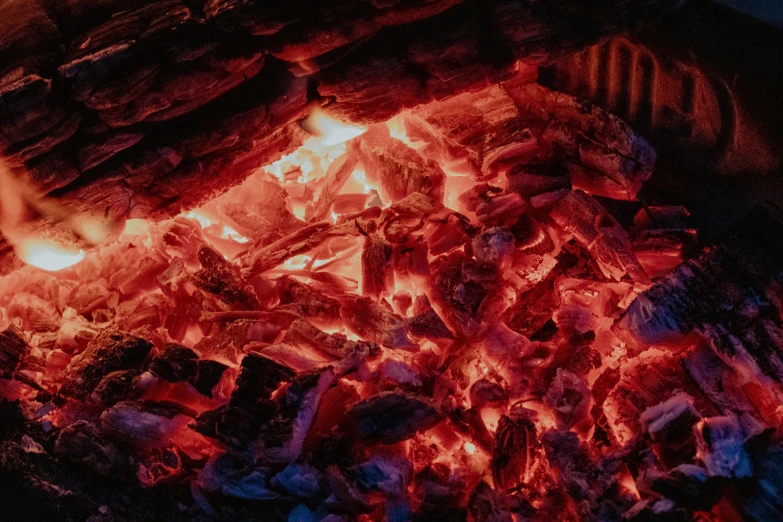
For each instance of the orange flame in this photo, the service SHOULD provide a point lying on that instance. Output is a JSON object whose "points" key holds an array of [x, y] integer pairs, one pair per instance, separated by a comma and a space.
{"points": [[328, 131]]}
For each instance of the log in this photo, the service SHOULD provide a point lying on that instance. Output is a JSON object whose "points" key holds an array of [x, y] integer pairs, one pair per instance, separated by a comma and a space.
{"points": [[155, 107]]}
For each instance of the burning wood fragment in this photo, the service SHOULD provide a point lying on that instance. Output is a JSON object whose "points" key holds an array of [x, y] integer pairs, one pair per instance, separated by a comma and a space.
{"points": [[305, 335], [397, 169], [284, 438], [663, 510], [486, 125], [671, 424], [428, 325], [609, 158], [484, 393], [117, 386], [601, 234], [374, 322], [230, 475], [377, 272], [494, 246], [220, 277], [336, 176], [392, 417], [687, 485], [569, 398], [464, 290], [298, 242], [390, 476], [489, 505], [307, 300], [258, 378], [515, 447]]}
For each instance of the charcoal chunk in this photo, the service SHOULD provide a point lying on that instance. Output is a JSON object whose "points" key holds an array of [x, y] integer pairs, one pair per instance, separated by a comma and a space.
{"points": [[377, 272], [301, 481], [486, 393], [671, 423], [398, 169], [283, 439], [208, 374], [765, 500], [687, 485], [259, 376], [115, 387], [663, 510], [515, 444], [176, 363], [220, 277], [12, 350], [489, 505], [83, 443], [234, 476], [392, 417], [600, 233], [110, 351], [236, 426], [375, 322], [309, 301], [722, 446]]}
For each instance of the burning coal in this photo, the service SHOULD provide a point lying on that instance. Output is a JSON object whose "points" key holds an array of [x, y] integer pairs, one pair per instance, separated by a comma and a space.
{"points": [[440, 317]]}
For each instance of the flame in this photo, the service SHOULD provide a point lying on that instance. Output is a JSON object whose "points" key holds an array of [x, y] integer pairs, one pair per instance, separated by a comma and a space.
{"points": [[297, 262], [328, 131], [137, 227], [226, 232], [47, 255], [470, 448]]}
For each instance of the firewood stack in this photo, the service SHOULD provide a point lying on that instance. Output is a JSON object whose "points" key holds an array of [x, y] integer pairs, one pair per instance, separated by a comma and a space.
{"points": [[143, 109]]}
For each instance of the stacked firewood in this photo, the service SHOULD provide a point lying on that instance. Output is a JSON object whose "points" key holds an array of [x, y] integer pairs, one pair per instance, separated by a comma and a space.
{"points": [[465, 315]]}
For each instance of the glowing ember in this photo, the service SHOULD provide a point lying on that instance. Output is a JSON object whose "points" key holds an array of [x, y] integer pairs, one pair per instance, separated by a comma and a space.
{"points": [[328, 131], [48, 256], [225, 231], [388, 291]]}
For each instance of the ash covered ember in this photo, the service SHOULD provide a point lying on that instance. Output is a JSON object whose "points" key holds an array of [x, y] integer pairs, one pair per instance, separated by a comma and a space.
{"points": [[444, 317]]}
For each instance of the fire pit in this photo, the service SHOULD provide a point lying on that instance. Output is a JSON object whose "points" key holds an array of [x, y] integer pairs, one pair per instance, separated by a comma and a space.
{"points": [[369, 262]]}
